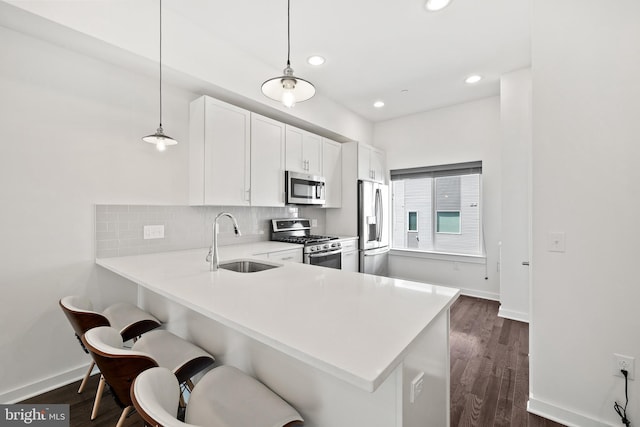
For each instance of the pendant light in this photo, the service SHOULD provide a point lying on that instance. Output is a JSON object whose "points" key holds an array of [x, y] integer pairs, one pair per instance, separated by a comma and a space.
{"points": [[287, 88], [159, 138]]}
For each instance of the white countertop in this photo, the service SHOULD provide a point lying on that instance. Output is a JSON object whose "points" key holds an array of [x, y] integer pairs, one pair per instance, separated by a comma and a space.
{"points": [[354, 326]]}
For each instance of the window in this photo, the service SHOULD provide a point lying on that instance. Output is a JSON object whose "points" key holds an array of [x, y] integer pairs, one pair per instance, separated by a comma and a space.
{"points": [[413, 221], [437, 208], [448, 222]]}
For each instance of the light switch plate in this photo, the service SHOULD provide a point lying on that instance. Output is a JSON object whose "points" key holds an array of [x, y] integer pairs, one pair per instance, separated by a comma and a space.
{"points": [[417, 384], [556, 241]]}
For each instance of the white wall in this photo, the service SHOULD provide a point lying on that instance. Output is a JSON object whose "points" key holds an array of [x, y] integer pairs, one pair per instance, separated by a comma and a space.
{"points": [[212, 66], [70, 133], [462, 133], [515, 120], [586, 146], [70, 137]]}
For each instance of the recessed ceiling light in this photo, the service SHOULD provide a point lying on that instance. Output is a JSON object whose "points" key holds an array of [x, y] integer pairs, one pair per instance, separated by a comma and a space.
{"points": [[473, 79], [315, 60], [378, 104], [435, 5]]}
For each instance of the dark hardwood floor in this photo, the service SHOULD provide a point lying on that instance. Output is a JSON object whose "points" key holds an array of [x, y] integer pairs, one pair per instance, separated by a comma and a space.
{"points": [[80, 405], [489, 375], [489, 368]]}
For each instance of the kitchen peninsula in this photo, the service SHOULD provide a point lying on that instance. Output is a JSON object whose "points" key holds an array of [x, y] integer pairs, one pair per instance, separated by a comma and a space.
{"points": [[343, 348]]}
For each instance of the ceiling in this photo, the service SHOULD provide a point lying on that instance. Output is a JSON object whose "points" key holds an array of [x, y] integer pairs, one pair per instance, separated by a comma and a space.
{"points": [[390, 50]]}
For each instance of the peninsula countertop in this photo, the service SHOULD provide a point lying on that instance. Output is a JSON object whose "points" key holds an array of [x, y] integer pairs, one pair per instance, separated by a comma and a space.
{"points": [[357, 327]]}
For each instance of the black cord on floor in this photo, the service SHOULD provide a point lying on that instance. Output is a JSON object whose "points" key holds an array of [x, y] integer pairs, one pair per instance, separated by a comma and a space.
{"points": [[619, 409]]}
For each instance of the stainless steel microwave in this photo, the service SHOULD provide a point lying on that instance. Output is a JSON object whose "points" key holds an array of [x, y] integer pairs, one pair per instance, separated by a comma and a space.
{"points": [[303, 189]]}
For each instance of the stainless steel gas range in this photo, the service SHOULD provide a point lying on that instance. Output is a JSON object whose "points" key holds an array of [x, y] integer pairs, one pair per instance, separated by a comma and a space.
{"points": [[324, 251]]}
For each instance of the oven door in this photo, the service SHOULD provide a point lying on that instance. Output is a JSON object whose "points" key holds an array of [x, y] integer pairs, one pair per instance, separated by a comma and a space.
{"points": [[331, 259]]}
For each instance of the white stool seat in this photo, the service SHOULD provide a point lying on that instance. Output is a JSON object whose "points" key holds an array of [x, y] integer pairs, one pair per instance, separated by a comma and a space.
{"points": [[155, 394], [122, 315], [128, 319], [227, 397], [168, 350], [224, 397], [120, 366]]}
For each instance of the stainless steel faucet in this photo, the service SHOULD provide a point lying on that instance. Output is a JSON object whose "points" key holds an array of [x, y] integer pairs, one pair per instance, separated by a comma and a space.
{"points": [[212, 257]]}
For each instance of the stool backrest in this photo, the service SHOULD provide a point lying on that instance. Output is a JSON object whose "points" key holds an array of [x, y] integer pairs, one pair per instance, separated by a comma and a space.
{"points": [[118, 365], [80, 313], [155, 394]]}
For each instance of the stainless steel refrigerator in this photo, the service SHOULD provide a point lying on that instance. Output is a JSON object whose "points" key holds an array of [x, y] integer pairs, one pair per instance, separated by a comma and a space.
{"points": [[373, 227]]}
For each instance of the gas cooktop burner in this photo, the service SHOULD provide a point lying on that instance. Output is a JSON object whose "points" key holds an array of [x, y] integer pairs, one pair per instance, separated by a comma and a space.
{"points": [[306, 240], [297, 230]]}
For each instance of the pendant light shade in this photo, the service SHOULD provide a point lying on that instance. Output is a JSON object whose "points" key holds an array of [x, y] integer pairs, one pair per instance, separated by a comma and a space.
{"points": [[287, 88], [159, 138]]}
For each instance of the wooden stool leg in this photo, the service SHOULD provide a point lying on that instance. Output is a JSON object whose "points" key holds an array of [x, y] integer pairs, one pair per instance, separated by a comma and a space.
{"points": [[86, 377], [96, 403], [123, 417]]}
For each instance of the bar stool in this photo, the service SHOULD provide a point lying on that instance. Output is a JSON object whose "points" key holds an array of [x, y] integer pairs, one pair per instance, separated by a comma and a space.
{"points": [[120, 366], [130, 320], [224, 397]]}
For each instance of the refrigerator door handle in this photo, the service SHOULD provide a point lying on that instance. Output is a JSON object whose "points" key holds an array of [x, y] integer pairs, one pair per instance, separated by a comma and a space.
{"points": [[374, 252], [377, 213], [381, 216]]}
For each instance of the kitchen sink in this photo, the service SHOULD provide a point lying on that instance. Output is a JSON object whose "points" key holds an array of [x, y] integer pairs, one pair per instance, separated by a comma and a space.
{"points": [[247, 266]]}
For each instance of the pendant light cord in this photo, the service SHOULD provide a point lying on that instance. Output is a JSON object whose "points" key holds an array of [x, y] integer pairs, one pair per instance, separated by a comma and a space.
{"points": [[288, 32], [160, 63]]}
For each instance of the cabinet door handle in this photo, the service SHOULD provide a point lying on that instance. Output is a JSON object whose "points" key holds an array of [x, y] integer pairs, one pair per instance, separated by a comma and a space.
{"points": [[286, 258]]}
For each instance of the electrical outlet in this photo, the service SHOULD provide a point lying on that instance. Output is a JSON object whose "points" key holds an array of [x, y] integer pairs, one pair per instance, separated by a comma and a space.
{"points": [[153, 232], [620, 362]]}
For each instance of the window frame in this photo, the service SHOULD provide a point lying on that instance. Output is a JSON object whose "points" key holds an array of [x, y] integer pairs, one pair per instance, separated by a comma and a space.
{"points": [[437, 171]]}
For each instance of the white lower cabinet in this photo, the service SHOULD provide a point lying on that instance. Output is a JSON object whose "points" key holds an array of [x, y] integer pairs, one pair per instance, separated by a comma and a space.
{"points": [[350, 259], [291, 255]]}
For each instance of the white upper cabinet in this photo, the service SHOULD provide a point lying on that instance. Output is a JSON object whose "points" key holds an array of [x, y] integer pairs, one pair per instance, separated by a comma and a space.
{"points": [[219, 153], [371, 164], [304, 151], [267, 161], [332, 172]]}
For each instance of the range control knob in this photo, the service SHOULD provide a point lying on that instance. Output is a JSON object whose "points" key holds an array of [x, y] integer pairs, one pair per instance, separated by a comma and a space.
{"points": [[336, 245], [312, 249], [326, 246]]}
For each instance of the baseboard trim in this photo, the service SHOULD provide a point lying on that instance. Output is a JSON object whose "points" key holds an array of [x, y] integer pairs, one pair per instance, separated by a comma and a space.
{"points": [[562, 415], [478, 294], [42, 386], [513, 315]]}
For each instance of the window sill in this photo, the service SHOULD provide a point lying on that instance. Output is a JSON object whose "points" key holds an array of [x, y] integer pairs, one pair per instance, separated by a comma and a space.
{"points": [[441, 256]]}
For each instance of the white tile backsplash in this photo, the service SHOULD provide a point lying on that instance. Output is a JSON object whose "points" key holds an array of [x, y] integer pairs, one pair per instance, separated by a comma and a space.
{"points": [[119, 228]]}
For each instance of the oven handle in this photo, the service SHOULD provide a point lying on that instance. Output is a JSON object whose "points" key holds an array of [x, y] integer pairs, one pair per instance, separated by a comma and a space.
{"points": [[321, 254]]}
